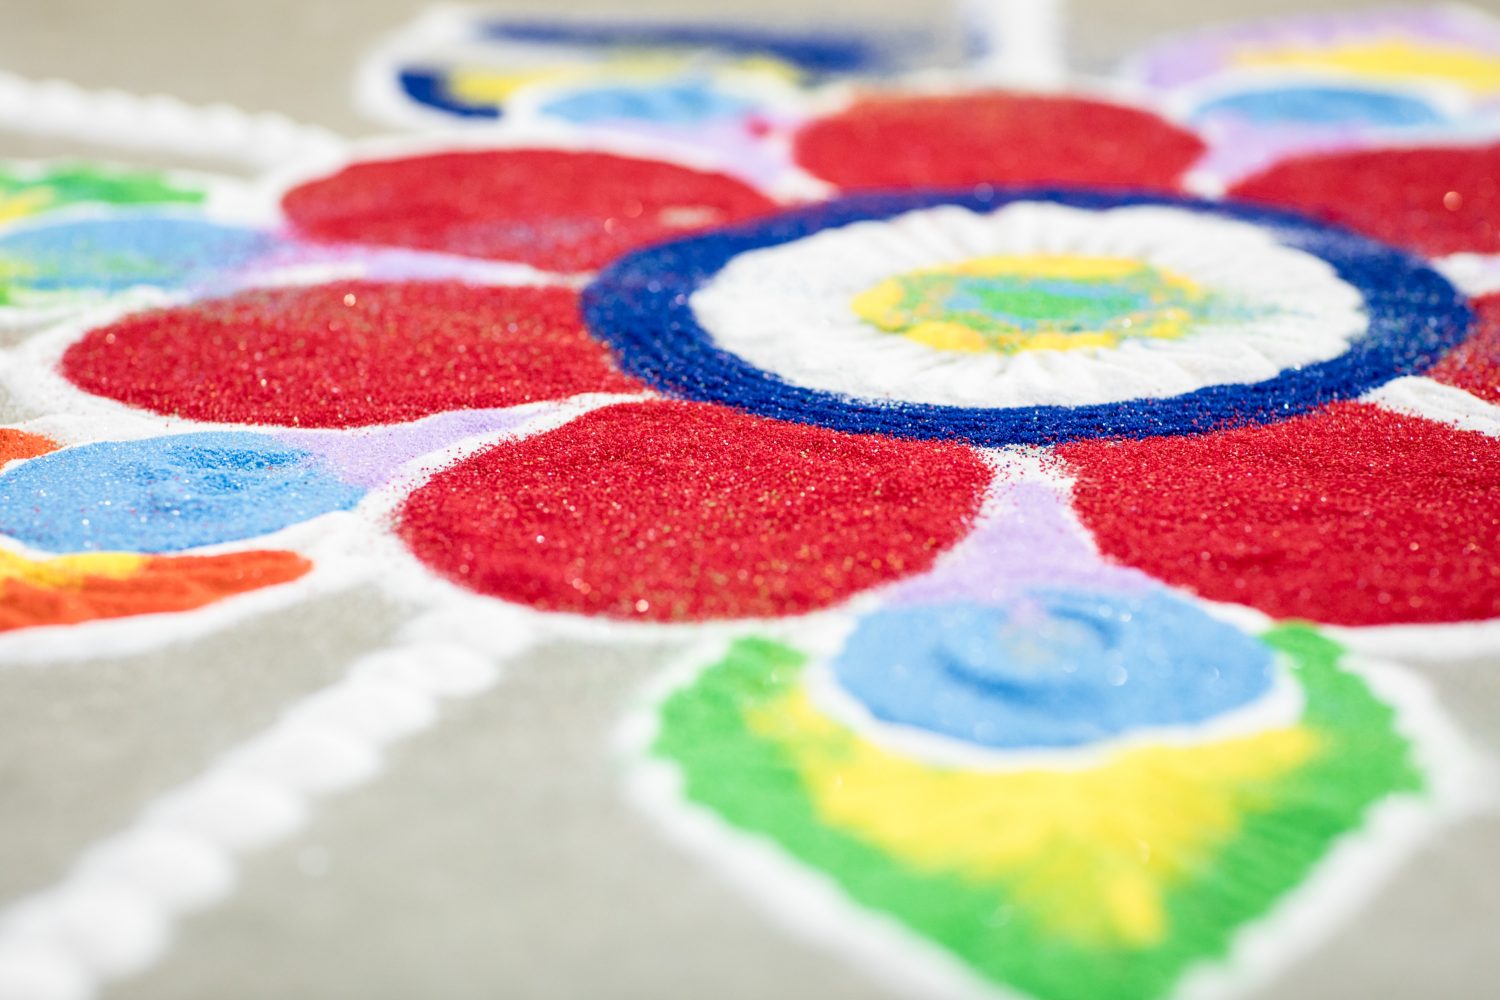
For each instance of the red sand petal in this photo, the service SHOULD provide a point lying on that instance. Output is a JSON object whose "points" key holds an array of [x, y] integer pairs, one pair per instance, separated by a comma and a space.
{"points": [[1352, 515], [671, 511], [347, 354], [1474, 365], [1437, 201], [997, 138], [164, 583], [553, 209]]}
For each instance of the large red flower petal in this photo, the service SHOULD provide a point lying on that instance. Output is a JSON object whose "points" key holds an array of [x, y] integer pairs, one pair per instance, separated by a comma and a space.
{"points": [[347, 354], [1437, 201], [997, 138], [1474, 365], [671, 511], [554, 209], [1352, 515]]}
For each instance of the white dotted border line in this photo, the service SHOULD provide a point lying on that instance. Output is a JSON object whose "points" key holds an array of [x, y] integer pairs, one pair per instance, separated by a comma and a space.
{"points": [[114, 912], [158, 122]]}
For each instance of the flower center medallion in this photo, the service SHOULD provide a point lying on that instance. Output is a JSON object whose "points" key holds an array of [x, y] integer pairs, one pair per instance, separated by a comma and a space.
{"points": [[1024, 317], [1036, 302]]}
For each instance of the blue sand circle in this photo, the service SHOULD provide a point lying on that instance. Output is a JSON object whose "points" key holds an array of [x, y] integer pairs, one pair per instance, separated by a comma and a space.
{"points": [[1067, 669], [676, 102], [1322, 106], [640, 306], [167, 493], [820, 52], [113, 253]]}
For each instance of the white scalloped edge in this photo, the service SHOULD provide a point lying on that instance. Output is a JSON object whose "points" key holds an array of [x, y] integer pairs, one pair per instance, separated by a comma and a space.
{"points": [[156, 122]]}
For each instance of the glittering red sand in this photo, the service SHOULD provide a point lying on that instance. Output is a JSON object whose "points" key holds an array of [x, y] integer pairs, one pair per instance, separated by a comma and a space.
{"points": [[562, 211], [1437, 201], [1475, 364], [1353, 516], [347, 354], [164, 583], [899, 142], [670, 511], [16, 444]]}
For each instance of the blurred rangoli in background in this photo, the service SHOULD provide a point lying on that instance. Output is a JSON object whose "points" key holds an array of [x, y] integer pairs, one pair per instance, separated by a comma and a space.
{"points": [[1046, 477]]}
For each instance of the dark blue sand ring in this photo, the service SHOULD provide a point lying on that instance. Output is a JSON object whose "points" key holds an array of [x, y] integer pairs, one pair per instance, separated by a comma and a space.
{"points": [[640, 307]]}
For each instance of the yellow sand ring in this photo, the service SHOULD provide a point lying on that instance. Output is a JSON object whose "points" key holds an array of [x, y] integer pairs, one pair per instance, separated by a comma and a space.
{"points": [[1035, 302]]}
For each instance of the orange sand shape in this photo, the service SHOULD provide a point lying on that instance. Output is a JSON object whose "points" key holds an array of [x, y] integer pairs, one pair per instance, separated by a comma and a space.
{"points": [[16, 444], [73, 589]]}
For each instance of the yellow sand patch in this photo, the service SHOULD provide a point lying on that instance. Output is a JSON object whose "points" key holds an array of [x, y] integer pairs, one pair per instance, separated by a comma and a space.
{"points": [[68, 572], [1390, 59], [1089, 852]]}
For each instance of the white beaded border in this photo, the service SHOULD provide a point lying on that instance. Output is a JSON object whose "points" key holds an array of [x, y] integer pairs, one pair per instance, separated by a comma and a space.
{"points": [[157, 123], [113, 914]]}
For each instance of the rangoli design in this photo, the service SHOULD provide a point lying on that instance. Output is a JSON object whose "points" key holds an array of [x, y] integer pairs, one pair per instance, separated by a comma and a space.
{"points": [[1043, 481]]}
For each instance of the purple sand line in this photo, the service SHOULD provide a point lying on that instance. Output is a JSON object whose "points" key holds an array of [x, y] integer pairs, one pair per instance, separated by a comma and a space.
{"points": [[1200, 54], [1031, 543], [369, 456]]}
